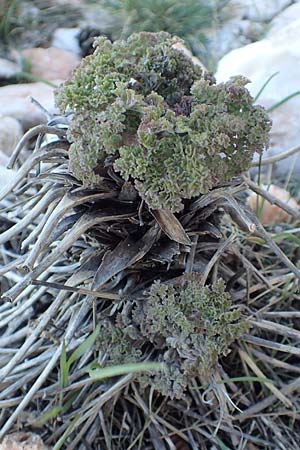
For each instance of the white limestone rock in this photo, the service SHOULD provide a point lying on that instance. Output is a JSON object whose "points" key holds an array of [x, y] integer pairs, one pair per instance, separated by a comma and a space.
{"points": [[233, 34], [4, 159], [50, 63], [8, 68], [258, 10], [10, 134], [67, 39], [246, 21], [280, 52], [6, 177], [15, 102], [283, 19]]}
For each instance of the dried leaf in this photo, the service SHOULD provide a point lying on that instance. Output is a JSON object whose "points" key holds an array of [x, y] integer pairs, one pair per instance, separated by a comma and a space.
{"points": [[89, 267], [208, 228], [165, 252], [171, 226], [124, 255]]}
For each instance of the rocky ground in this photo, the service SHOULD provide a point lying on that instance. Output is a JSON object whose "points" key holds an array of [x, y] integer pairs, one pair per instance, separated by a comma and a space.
{"points": [[258, 39]]}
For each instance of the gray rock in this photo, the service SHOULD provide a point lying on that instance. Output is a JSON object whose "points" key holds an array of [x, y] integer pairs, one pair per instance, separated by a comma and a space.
{"points": [[10, 133], [50, 63], [280, 52], [15, 102], [283, 19], [8, 69], [234, 34], [244, 22], [67, 39], [258, 10], [3, 159]]}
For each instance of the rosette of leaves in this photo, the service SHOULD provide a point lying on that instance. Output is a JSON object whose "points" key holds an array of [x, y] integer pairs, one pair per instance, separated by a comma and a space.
{"points": [[144, 109], [188, 326]]}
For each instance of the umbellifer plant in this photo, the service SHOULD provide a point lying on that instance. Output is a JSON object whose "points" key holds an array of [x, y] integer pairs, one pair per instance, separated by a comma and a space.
{"points": [[142, 110], [129, 205], [146, 110]]}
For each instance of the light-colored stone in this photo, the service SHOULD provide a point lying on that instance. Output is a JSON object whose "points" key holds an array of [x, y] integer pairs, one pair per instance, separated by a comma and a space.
{"points": [[283, 19], [74, 3], [22, 441], [67, 39], [259, 61], [6, 177], [15, 102], [8, 68], [243, 22], [271, 214], [233, 34], [51, 63], [258, 10], [10, 134], [3, 159]]}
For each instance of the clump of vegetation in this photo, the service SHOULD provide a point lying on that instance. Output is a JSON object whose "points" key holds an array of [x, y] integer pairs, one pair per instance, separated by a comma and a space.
{"points": [[188, 325], [188, 20], [31, 23], [9, 9], [160, 120], [89, 253]]}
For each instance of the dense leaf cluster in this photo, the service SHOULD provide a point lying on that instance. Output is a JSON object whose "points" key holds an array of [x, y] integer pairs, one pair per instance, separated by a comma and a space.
{"points": [[188, 327], [145, 107]]}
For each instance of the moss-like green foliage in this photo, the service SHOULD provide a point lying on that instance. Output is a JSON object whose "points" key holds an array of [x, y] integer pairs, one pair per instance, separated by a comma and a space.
{"points": [[165, 122], [187, 326], [117, 345]]}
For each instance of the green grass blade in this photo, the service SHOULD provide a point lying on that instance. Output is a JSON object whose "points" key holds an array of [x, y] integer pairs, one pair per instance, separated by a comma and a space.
{"points": [[264, 86], [248, 378], [64, 367], [281, 102], [66, 434], [29, 77], [221, 444], [284, 100], [84, 347], [56, 410], [6, 22], [49, 415], [286, 236], [113, 371]]}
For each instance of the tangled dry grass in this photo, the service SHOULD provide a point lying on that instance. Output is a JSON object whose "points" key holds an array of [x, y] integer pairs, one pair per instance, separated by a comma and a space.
{"points": [[55, 235]]}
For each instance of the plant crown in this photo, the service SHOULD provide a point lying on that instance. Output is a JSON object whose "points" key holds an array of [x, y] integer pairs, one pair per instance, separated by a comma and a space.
{"points": [[161, 120]]}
